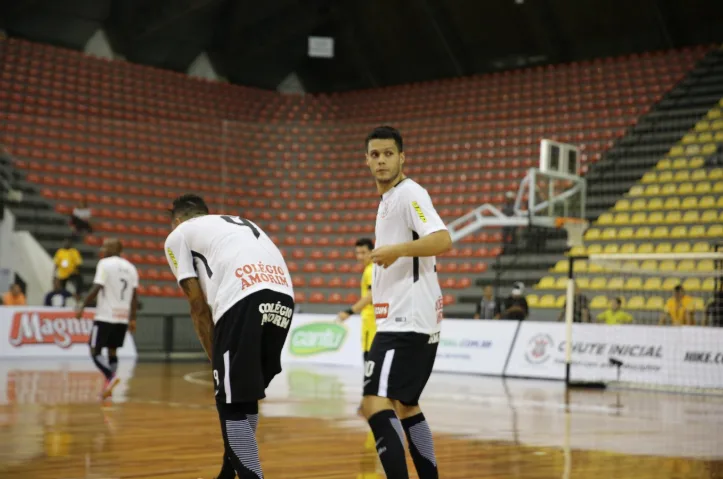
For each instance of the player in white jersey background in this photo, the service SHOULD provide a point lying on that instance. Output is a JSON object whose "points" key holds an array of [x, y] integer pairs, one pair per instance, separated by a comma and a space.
{"points": [[114, 288], [242, 301], [408, 307]]}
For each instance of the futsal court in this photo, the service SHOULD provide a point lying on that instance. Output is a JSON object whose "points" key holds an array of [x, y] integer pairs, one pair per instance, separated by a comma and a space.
{"points": [[162, 424]]}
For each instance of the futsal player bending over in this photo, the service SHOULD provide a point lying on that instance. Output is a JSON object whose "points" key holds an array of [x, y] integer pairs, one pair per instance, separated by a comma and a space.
{"points": [[408, 307], [114, 285], [241, 300]]}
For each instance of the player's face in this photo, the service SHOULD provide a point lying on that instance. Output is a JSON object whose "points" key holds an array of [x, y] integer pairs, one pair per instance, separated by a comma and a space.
{"points": [[384, 160], [363, 254]]}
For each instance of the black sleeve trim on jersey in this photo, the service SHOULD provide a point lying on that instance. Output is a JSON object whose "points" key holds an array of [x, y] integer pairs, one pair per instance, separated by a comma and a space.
{"points": [[203, 259], [415, 260]]}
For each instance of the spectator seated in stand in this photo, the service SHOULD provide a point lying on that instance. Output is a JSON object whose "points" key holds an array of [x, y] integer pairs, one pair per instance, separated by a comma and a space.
{"points": [[581, 309], [516, 304], [679, 310], [67, 263], [80, 219], [615, 314], [489, 307], [14, 297], [59, 296]]}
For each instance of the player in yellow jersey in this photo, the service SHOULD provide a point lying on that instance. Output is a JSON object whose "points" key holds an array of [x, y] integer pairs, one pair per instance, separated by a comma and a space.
{"points": [[363, 249]]}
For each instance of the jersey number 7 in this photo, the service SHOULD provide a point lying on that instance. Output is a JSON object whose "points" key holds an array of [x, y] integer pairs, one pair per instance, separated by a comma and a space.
{"points": [[241, 222]]}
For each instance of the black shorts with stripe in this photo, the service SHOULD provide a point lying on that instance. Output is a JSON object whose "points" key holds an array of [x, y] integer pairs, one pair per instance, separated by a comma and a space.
{"points": [[107, 335], [398, 365], [247, 345]]}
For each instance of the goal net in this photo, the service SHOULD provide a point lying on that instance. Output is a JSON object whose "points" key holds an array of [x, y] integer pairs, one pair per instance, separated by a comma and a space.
{"points": [[646, 321]]}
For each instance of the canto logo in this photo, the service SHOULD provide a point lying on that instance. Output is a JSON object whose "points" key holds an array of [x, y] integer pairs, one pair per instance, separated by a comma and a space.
{"points": [[60, 328], [315, 338]]}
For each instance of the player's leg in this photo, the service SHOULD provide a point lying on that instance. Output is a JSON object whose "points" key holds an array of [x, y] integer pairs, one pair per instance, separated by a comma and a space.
{"points": [[416, 428], [379, 409], [97, 341], [241, 451]]}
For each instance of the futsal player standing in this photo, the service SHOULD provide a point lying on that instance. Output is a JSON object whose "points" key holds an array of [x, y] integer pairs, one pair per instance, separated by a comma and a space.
{"points": [[114, 286], [241, 300], [408, 308]]}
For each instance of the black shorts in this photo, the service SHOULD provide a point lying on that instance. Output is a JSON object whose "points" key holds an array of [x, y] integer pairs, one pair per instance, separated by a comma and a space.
{"points": [[398, 365], [107, 335], [247, 345]]}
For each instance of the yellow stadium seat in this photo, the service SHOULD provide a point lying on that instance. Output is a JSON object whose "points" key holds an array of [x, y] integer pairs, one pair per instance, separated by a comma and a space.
{"points": [[697, 231], [705, 202], [679, 163], [592, 234], [611, 248], [652, 190], [709, 216], [699, 175], [547, 301], [622, 205], [691, 202], [560, 301], [633, 284], [677, 150], [664, 177], [605, 219], [579, 266], [625, 233], [639, 204], [686, 265], [691, 217], [594, 268], [718, 138], [599, 302], [703, 187], [653, 284], [598, 283], [663, 248], [706, 265], [709, 149], [649, 177], [672, 203], [637, 190], [717, 125], [681, 248], [628, 248], [645, 248], [594, 249], [667, 265], [682, 175], [661, 232], [561, 266], [718, 187], [649, 265], [654, 303], [631, 265], [664, 164], [547, 282], [581, 283], [532, 300], [708, 285], [715, 174], [704, 137], [691, 150], [621, 219], [701, 247], [635, 303], [639, 218], [679, 232], [692, 284], [609, 234], [655, 218], [698, 304], [719, 202], [713, 114], [673, 217], [669, 189], [702, 125], [560, 283], [578, 251], [655, 204], [685, 189], [670, 283], [689, 139], [643, 232], [696, 162], [615, 283]]}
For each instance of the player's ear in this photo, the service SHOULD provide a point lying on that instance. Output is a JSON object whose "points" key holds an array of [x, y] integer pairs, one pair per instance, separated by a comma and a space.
{"points": [[401, 158]]}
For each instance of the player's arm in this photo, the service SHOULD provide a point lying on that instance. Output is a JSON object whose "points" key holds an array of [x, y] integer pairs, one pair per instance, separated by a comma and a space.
{"points": [[134, 310], [200, 313], [98, 283], [356, 308]]}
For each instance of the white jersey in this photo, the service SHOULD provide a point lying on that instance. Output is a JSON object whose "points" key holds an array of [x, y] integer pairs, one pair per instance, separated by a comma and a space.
{"points": [[119, 279], [231, 257], [406, 295]]}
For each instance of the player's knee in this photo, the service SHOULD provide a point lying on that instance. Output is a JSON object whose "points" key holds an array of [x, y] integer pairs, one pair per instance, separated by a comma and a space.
{"points": [[112, 352], [406, 410], [95, 351], [373, 404]]}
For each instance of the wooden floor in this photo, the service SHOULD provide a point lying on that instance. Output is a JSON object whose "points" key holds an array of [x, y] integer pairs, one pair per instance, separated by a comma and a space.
{"points": [[162, 424]]}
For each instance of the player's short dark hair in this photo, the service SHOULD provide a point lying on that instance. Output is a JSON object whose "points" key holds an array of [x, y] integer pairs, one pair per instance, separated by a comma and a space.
{"points": [[365, 242], [385, 133], [188, 205]]}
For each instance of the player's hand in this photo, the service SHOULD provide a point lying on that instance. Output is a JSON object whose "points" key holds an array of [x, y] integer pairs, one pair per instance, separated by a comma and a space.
{"points": [[342, 316], [132, 325], [385, 256]]}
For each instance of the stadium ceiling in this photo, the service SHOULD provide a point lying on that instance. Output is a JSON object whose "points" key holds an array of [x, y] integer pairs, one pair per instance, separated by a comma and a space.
{"points": [[377, 42]]}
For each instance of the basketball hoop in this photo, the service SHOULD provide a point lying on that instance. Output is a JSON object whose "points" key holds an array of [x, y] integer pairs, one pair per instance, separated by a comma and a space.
{"points": [[575, 228]]}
